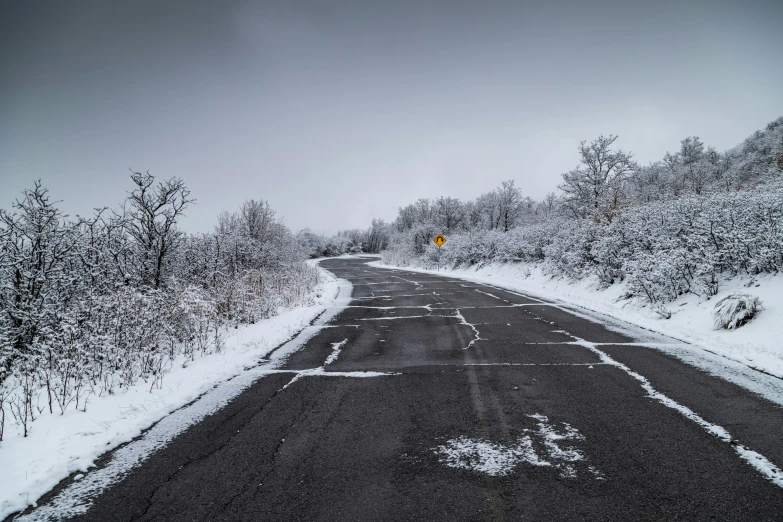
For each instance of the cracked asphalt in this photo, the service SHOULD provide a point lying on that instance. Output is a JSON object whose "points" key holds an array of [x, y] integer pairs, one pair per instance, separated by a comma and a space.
{"points": [[465, 362]]}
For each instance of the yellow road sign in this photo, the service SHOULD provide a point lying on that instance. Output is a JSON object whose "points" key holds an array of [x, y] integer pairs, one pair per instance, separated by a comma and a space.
{"points": [[439, 240]]}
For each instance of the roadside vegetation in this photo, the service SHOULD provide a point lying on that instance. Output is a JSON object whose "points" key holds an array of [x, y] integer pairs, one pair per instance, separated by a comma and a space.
{"points": [[90, 306], [680, 225]]}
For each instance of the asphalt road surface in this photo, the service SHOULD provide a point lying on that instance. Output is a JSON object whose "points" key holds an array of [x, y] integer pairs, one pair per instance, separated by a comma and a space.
{"points": [[458, 401]]}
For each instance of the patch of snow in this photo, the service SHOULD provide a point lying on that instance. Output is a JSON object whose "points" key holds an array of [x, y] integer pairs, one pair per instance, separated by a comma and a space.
{"points": [[498, 460], [563, 457], [487, 293], [336, 347], [394, 318], [418, 285], [490, 458], [321, 372], [522, 364]]}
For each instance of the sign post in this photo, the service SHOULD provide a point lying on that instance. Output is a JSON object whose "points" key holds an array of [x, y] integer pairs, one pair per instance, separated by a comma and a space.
{"points": [[439, 240]]}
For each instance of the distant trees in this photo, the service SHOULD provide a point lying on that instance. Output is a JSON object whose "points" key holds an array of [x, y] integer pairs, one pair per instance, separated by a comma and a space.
{"points": [[355, 241], [510, 205], [489, 208], [376, 237], [695, 167], [607, 182], [780, 156], [756, 158], [257, 220], [663, 249]]}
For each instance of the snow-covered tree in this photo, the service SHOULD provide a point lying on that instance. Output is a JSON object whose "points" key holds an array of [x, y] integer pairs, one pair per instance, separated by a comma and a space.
{"points": [[152, 222], [449, 213], [95, 305], [594, 188]]}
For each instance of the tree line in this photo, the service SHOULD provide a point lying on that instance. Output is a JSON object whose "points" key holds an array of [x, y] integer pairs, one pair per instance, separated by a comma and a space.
{"points": [[674, 226]]}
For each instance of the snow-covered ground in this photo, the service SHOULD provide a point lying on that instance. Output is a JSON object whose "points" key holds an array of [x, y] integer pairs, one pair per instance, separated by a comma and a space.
{"points": [[758, 344], [62, 444]]}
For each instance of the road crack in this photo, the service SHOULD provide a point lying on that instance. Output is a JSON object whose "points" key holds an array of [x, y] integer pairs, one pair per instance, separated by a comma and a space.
{"points": [[150, 499]]}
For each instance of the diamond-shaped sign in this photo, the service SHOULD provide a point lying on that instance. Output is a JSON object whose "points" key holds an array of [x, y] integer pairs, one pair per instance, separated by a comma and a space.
{"points": [[439, 240]]}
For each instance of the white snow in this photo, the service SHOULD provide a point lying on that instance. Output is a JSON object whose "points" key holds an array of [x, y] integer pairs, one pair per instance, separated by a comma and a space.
{"points": [[61, 444], [486, 457], [562, 456], [336, 347], [497, 460], [476, 335]]}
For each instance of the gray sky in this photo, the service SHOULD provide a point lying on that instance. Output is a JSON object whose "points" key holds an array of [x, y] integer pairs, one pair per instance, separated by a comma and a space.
{"points": [[340, 111]]}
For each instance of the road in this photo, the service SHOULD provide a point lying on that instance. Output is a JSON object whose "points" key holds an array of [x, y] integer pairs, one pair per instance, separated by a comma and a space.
{"points": [[450, 400]]}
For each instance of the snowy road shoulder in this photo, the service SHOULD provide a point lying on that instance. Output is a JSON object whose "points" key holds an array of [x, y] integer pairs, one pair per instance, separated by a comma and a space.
{"points": [[62, 444]]}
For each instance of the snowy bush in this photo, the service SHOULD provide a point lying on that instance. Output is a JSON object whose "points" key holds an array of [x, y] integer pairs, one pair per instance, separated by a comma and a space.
{"points": [[93, 306], [679, 226], [662, 249], [734, 310]]}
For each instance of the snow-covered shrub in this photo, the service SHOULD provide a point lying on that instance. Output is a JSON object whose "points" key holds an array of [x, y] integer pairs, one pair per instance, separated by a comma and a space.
{"points": [[96, 305], [663, 249], [734, 310]]}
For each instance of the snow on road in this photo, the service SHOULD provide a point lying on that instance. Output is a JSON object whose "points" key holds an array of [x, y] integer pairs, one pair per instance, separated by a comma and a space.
{"points": [[476, 334], [336, 347], [497, 459], [736, 355], [763, 465]]}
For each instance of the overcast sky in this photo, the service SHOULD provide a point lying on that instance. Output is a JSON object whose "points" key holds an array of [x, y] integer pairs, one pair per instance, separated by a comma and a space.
{"points": [[340, 111]]}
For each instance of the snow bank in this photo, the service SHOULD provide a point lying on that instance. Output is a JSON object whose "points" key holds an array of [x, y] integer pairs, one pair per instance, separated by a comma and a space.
{"points": [[758, 344], [62, 444]]}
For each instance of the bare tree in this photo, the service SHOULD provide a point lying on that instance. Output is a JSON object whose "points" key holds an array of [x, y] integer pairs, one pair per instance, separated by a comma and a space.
{"points": [[153, 219], [549, 205], [449, 212], [35, 242], [694, 163], [510, 205], [257, 218], [490, 209], [377, 237], [594, 187], [228, 223]]}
